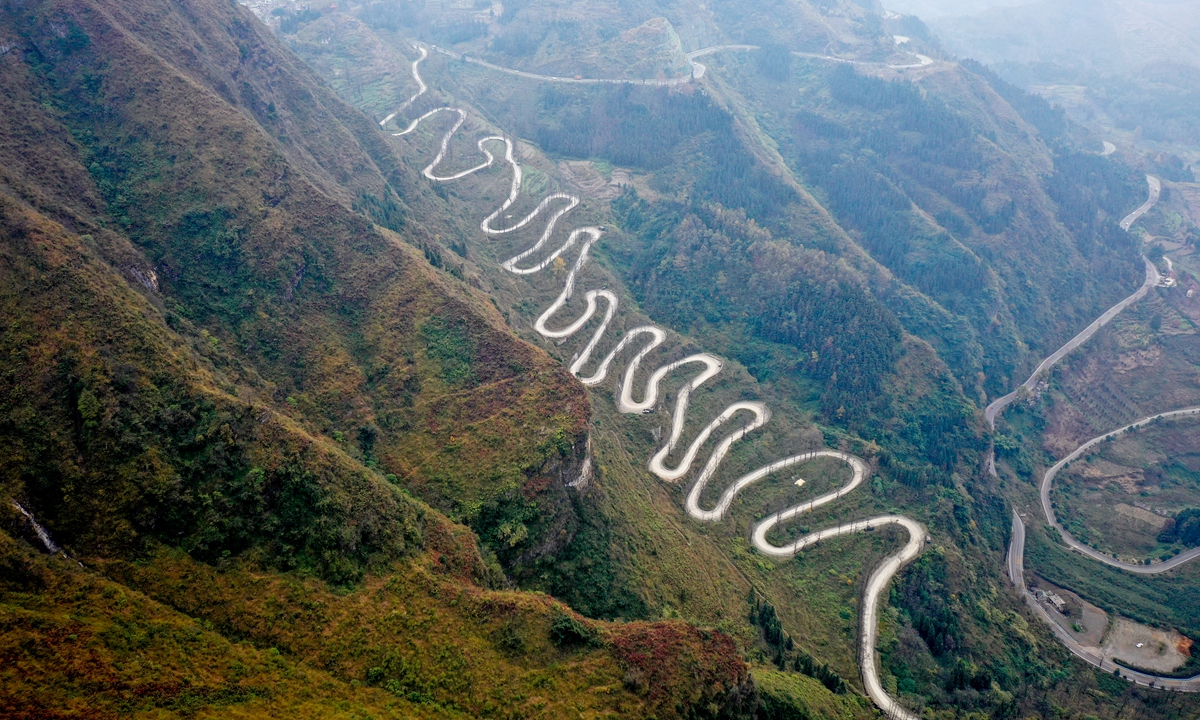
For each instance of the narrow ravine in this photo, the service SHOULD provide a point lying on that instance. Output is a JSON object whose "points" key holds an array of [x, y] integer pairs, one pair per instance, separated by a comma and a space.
{"points": [[646, 338]]}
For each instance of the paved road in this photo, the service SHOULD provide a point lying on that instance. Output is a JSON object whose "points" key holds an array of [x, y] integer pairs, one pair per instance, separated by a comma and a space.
{"points": [[922, 60], [421, 88], [1048, 509], [702, 368], [668, 82], [1155, 190], [1016, 552], [698, 69], [880, 578], [1152, 278]]}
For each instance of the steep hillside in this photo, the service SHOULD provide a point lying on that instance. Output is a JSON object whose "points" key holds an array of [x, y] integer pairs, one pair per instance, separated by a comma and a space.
{"points": [[1126, 69], [308, 391], [874, 256], [223, 388]]}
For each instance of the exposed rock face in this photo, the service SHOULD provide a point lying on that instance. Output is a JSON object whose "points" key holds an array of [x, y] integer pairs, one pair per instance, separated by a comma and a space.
{"points": [[559, 479]]}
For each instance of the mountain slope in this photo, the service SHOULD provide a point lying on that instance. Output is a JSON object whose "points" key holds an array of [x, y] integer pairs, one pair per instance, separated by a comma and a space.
{"points": [[210, 357], [872, 255]]}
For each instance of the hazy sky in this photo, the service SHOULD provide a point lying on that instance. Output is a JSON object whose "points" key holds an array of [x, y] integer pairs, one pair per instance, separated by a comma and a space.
{"points": [[929, 9]]}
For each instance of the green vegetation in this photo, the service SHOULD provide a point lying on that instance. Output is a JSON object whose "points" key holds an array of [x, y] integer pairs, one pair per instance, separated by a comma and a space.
{"points": [[1120, 497], [879, 150], [1183, 528], [788, 696], [234, 398], [768, 285], [261, 377], [1161, 600], [786, 657]]}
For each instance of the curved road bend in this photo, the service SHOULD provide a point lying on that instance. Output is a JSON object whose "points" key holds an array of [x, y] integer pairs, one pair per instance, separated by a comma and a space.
{"points": [[1048, 509], [1152, 279], [1109, 149], [1016, 552], [648, 338], [698, 69], [922, 60], [421, 88], [1155, 190], [877, 583]]}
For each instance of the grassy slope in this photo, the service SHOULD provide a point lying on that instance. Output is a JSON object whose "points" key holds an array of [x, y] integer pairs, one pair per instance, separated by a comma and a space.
{"points": [[77, 643], [670, 564], [374, 81], [250, 403], [996, 641]]}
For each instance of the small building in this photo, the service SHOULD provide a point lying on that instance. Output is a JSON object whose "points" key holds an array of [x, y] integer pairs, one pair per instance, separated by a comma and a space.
{"points": [[1057, 601]]}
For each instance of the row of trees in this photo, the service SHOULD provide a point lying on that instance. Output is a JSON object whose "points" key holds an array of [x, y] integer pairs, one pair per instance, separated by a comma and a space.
{"points": [[784, 652]]}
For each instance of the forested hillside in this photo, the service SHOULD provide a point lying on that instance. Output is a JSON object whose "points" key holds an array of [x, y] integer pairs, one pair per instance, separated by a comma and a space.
{"points": [[883, 252], [281, 391], [223, 387]]}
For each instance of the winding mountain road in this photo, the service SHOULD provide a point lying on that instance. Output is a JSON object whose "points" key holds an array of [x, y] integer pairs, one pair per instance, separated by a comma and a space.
{"points": [[1048, 508], [1016, 550], [709, 366], [421, 88], [698, 69], [1155, 191], [998, 405], [1016, 574]]}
